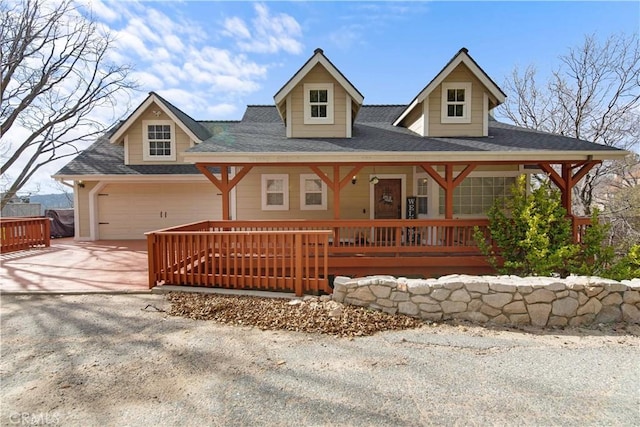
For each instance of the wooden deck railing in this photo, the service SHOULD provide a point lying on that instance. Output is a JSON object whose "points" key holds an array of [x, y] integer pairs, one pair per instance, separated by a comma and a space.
{"points": [[258, 260], [18, 234], [300, 255]]}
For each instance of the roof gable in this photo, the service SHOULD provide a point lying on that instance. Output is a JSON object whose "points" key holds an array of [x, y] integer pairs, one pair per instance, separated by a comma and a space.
{"points": [[318, 58], [462, 57], [192, 128]]}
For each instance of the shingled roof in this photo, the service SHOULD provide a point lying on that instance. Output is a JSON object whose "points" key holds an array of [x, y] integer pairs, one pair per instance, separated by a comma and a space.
{"points": [[262, 131]]}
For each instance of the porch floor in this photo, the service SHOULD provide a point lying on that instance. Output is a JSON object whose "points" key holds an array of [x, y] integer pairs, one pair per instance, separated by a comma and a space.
{"points": [[69, 266]]}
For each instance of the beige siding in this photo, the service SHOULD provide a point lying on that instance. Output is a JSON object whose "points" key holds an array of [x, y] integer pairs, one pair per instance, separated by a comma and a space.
{"points": [[135, 145], [436, 128], [414, 120], [338, 129], [354, 198]]}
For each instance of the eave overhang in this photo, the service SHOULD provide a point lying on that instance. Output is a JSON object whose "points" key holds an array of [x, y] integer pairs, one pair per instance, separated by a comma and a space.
{"points": [[151, 99], [493, 157], [317, 58]]}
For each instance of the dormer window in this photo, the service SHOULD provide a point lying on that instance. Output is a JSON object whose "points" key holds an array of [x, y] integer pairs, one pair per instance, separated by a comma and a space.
{"points": [[158, 140], [318, 103], [456, 103]]}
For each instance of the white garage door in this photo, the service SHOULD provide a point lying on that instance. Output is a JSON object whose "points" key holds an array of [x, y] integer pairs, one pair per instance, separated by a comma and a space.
{"points": [[127, 211]]}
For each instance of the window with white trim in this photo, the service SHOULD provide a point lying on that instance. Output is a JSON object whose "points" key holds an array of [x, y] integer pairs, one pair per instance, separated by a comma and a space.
{"points": [[422, 196], [275, 192], [476, 195], [313, 192], [158, 138], [318, 103], [456, 103]]}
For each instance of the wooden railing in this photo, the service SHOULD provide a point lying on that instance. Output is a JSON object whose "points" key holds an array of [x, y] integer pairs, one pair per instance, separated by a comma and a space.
{"points": [[258, 260], [18, 234], [300, 255], [369, 236]]}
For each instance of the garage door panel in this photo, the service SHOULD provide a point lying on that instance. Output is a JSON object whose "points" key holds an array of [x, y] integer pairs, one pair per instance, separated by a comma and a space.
{"points": [[127, 211]]}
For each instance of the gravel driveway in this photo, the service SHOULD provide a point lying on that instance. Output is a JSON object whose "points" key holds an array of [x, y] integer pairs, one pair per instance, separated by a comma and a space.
{"points": [[105, 360]]}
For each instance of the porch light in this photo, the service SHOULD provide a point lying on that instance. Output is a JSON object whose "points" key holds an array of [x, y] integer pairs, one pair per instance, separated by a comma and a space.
{"points": [[80, 184], [374, 180], [354, 179]]}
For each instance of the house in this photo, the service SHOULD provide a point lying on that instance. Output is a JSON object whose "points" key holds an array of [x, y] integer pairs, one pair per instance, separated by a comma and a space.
{"points": [[320, 154]]}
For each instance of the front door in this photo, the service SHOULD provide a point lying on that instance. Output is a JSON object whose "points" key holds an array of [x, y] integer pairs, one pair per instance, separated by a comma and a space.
{"points": [[387, 199]]}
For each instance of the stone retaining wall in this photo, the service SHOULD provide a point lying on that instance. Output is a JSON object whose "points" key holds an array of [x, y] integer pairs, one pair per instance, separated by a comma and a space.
{"points": [[538, 301]]}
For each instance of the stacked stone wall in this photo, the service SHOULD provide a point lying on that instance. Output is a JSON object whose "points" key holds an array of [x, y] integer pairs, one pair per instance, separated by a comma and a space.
{"points": [[537, 301]]}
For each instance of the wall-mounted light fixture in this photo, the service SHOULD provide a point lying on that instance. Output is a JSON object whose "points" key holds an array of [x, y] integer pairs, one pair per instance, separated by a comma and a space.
{"points": [[374, 180], [81, 184], [354, 179]]}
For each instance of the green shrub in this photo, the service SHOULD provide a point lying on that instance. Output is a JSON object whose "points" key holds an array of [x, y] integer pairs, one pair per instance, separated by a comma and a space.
{"points": [[627, 267], [531, 232]]}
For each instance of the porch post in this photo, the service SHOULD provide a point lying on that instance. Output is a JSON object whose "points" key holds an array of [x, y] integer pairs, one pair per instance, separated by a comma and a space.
{"points": [[448, 191], [568, 188]]}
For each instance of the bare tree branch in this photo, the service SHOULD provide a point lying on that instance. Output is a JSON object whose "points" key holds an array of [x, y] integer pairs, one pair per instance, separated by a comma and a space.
{"points": [[55, 73]]}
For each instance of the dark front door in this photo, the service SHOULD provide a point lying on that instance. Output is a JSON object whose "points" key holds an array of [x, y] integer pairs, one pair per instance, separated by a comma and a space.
{"points": [[387, 199]]}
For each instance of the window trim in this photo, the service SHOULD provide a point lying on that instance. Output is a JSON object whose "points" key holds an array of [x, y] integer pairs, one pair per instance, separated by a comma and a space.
{"points": [[308, 120], [466, 109], [285, 192], [146, 155], [323, 191]]}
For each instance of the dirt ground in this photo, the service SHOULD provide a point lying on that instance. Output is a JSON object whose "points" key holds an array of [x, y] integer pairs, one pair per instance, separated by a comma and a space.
{"points": [[116, 360]]}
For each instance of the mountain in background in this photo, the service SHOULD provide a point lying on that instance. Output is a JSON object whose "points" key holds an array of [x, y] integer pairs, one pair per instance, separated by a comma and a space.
{"points": [[53, 201]]}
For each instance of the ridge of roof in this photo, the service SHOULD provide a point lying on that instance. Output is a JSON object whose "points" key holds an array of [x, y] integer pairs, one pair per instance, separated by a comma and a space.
{"points": [[318, 53], [186, 119]]}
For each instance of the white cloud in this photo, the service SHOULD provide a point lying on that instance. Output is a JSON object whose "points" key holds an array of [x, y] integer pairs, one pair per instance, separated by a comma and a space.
{"points": [[221, 110], [268, 34], [235, 27], [100, 10]]}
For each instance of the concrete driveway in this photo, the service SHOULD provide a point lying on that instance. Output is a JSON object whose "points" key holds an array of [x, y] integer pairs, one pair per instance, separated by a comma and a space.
{"points": [[69, 266], [114, 360]]}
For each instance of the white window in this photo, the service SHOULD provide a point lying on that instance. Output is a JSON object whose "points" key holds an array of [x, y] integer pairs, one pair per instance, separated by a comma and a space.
{"points": [[456, 103], [313, 192], [318, 103], [275, 192], [158, 140], [476, 195], [422, 196]]}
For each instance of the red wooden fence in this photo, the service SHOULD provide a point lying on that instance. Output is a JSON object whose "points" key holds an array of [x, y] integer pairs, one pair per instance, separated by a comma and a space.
{"points": [[18, 234]]}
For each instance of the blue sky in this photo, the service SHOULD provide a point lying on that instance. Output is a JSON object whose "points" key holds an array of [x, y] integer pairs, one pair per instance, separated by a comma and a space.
{"points": [[214, 58], [211, 59]]}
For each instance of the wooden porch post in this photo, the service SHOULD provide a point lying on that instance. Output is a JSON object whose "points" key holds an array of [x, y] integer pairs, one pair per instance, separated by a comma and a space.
{"points": [[224, 185], [568, 179], [448, 183]]}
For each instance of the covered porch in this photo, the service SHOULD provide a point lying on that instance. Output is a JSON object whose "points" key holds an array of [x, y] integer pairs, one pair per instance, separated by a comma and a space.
{"points": [[303, 255]]}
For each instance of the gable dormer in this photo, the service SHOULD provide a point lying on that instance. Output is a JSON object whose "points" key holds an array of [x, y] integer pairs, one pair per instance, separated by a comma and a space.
{"points": [[318, 101], [455, 103], [157, 132]]}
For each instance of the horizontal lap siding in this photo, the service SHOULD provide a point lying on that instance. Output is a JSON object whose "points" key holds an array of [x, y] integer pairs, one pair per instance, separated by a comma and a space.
{"points": [[354, 199], [338, 129], [135, 145], [460, 74]]}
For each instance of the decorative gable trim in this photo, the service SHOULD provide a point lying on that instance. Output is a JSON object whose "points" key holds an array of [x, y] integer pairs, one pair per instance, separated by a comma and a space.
{"points": [[318, 58], [151, 99], [461, 57]]}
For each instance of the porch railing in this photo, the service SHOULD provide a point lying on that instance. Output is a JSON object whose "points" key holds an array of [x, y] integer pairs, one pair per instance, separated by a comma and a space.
{"points": [[299, 255], [291, 255], [259, 260], [18, 234]]}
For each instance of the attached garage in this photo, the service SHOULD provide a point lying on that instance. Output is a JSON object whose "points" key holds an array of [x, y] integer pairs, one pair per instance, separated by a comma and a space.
{"points": [[127, 211]]}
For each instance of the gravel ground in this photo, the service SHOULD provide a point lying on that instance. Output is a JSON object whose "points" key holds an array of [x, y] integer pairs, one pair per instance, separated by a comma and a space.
{"points": [[116, 360]]}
